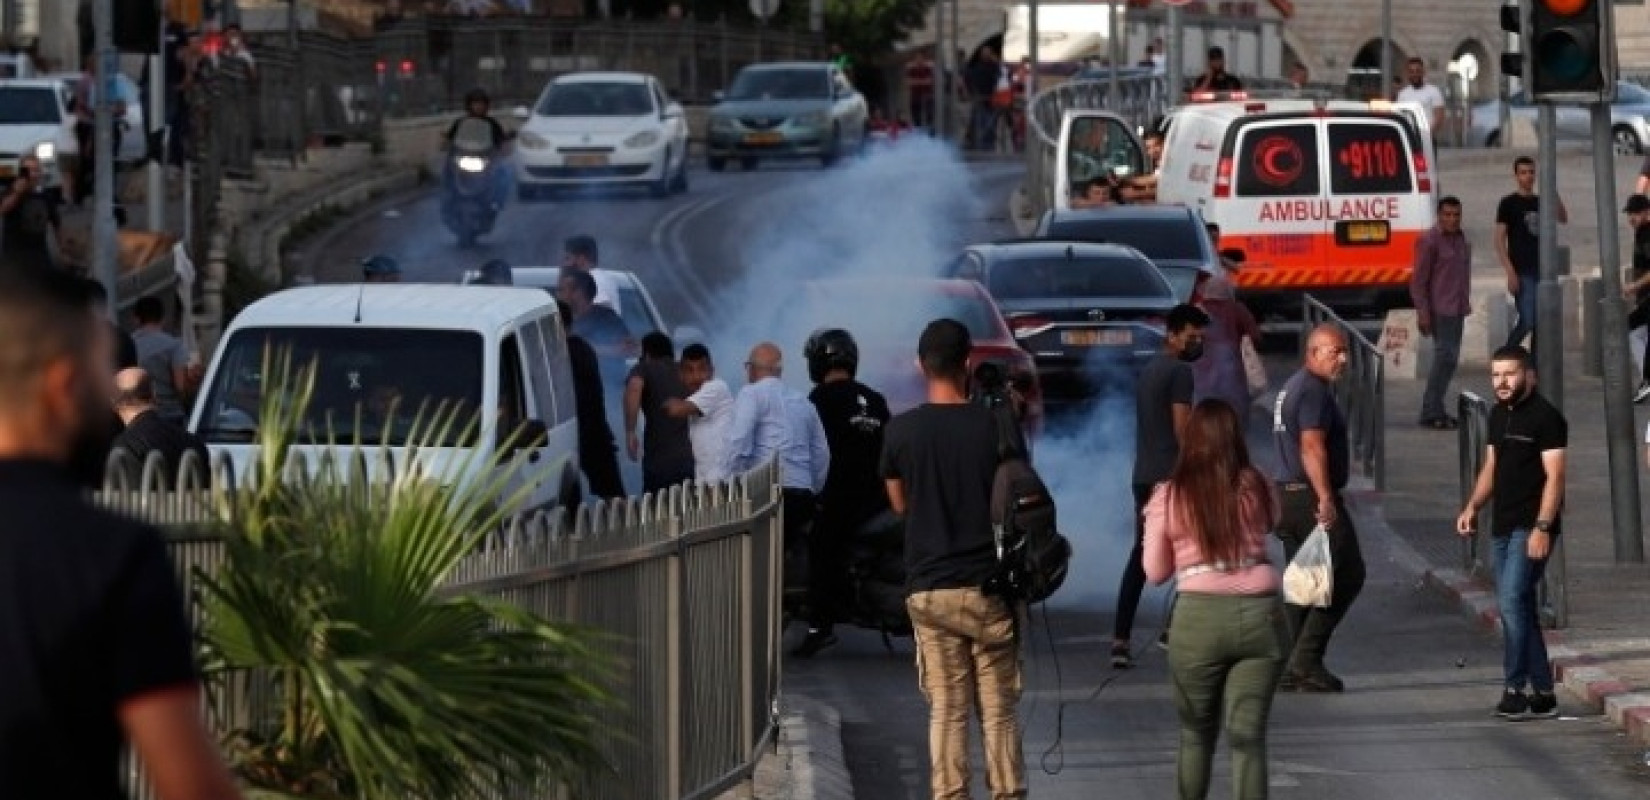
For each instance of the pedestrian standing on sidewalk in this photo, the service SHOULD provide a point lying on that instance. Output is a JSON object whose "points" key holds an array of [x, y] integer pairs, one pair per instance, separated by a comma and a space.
{"points": [[1162, 404], [939, 460], [1523, 474], [1316, 456], [1518, 245], [1441, 289], [1206, 526], [1637, 291], [98, 651]]}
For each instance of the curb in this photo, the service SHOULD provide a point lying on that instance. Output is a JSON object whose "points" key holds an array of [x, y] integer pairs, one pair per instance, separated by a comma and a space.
{"points": [[316, 246], [808, 762], [263, 238], [1576, 672]]}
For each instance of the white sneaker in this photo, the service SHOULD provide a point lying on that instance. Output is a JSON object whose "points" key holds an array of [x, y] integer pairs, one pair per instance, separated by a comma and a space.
{"points": [[1643, 392]]}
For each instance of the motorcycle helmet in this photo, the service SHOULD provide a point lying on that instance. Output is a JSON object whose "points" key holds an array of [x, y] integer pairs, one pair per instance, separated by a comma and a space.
{"points": [[828, 349]]}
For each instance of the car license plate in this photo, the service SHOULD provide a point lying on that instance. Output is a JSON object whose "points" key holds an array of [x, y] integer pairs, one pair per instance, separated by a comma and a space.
{"points": [[1097, 338], [1372, 232], [767, 137], [587, 160]]}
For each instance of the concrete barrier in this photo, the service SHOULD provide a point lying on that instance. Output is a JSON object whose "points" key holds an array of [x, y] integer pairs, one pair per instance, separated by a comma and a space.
{"points": [[1400, 345]]}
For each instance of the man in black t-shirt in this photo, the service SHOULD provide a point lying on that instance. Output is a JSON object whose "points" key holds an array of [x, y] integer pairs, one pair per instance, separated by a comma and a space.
{"points": [[1310, 433], [1215, 78], [1523, 473], [667, 454], [30, 218], [1637, 291], [939, 460], [98, 651], [597, 324], [1162, 404], [1518, 244], [598, 454], [853, 416]]}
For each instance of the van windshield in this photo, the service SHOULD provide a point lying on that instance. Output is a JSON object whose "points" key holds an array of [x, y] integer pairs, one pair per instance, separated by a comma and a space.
{"points": [[1368, 158], [369, 382]]}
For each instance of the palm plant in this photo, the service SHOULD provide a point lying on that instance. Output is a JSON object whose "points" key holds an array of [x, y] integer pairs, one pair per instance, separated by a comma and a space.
{"points": [[382, 686]]}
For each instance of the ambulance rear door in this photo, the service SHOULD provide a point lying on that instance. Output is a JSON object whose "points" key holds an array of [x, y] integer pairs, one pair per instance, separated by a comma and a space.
{"points": [[1380, 194], [1269, 199]]}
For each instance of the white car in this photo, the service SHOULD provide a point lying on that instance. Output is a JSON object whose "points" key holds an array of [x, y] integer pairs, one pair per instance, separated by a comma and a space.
{"points": [[35, 118], [602, 129]]}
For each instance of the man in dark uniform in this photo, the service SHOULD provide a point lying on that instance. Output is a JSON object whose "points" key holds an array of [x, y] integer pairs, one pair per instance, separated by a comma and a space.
{"points": [[598, 455], [98, 651], [853, 415], [1310, 432], [667, 453]]}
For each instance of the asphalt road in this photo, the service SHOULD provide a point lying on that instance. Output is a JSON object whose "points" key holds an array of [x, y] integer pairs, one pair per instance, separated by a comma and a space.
{"points": [[1416, 720]]}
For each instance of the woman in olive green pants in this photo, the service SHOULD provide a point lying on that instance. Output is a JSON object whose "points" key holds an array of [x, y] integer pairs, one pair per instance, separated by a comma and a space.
{"points": [[1207, 525]]}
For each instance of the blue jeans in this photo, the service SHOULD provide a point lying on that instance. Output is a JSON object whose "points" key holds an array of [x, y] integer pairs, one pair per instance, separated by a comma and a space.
{"points": [[1446, 354], [1524, 303], [1516, 577]]}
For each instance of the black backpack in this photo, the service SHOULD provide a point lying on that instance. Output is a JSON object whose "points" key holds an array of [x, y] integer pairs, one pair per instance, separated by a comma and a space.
{"points": [[1032, 556]]}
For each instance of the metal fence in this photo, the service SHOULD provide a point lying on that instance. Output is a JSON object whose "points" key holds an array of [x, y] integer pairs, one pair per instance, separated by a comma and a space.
{"points": [[1477, 558], [686, 582], [1361, 390]]}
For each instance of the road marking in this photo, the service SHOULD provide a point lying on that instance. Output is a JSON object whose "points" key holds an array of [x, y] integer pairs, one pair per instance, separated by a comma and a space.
{"points": [[675, 269]]}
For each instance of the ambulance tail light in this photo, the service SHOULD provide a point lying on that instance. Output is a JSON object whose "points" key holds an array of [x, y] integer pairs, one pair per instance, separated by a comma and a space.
{"points": [[1223, 178], [1423, 173]]}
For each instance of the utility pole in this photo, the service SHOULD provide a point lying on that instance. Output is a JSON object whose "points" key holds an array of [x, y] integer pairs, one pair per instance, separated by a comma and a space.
{"points": [[1033, 40], [103, 205], [1618, 410], [1176, 60], [1114, 52], [1386, 48], [942, 75], [154, 172], [1549, 316]]}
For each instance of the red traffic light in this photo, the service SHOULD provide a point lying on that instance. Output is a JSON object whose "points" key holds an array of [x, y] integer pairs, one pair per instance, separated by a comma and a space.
{"points": [[406, 67], [1566, 8], [380, 67]]}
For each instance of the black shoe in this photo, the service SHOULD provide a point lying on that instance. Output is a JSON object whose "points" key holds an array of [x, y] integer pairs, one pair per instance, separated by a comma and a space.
{"points": [[1163, 640], [1121, 658], [815, 641], [1513, 705], [1543, 705], [1319, 681]]}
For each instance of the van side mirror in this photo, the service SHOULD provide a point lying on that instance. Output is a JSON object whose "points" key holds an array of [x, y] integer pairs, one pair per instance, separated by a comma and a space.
{"points": [[521, 113]]}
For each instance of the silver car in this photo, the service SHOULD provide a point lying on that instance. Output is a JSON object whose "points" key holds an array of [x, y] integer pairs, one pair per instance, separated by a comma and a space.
{"points": [[793, 110], [1629, 127]]}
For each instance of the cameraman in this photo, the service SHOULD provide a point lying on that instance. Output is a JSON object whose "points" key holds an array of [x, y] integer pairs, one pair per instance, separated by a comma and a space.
{"points": [[30, 218], [993, 390]]}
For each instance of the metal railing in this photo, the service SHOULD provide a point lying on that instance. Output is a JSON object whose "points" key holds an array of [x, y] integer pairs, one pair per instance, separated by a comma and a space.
{"points": [[684, 582], [1477, 556], [1361, 390]]}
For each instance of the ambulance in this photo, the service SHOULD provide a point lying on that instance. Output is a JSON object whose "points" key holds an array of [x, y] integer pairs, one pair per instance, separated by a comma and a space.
{"points": [[1324, 197]]}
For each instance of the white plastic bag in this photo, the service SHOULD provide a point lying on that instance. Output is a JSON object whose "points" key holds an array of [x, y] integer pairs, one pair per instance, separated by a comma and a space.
{"points": [[1254, 370], [1309, 580]]}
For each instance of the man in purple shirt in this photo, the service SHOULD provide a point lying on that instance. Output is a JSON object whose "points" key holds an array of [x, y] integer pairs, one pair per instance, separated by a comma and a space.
{"points": [[1441, 290]]}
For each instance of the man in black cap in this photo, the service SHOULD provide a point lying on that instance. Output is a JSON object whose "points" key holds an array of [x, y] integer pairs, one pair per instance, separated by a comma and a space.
{"points": [[380, 269], [1637, 291], [1215, 78]]}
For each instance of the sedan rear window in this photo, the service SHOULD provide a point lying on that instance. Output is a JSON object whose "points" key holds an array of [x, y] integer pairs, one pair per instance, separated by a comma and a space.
{"points": [[371, 381], [1079, 277], [1159, 239]]}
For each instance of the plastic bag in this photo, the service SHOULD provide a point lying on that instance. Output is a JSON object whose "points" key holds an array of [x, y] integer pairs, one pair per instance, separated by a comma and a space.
{"points": [[1254, 370], [1309, 580]]}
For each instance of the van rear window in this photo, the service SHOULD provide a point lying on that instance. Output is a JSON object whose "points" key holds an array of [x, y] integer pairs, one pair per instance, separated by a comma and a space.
{"points": [[1278, 161], [1368, 158]]}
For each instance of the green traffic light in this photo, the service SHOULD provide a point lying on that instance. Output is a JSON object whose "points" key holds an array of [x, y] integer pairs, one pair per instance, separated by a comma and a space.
{"points": [[1562, 55]]}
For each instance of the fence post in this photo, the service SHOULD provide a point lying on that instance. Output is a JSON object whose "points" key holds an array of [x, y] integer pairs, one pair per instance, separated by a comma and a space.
{"points": [[675, 622]]}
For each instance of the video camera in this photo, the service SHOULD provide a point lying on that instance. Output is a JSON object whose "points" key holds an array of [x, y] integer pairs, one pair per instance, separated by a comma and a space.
{"points": [[990, 386]]}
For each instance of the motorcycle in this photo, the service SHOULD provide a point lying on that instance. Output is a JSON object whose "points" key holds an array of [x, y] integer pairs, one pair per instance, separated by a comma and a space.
{"points": [[876, 580], [470, 202]]}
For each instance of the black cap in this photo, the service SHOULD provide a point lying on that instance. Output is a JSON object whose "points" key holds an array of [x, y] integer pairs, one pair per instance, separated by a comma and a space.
{"points": [[1636, 204], [1217, 52]]}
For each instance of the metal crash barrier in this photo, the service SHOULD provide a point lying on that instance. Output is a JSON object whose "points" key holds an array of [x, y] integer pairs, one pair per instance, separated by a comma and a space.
{"points": [[1361, 391], [1477, 555]]}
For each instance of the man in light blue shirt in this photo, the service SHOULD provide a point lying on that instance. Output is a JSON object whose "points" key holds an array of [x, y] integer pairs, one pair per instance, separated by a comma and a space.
{"points": [[771, 420]]}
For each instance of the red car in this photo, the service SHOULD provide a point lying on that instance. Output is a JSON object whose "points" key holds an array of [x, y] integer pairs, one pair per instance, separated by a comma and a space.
{"points": [[887, 315]]}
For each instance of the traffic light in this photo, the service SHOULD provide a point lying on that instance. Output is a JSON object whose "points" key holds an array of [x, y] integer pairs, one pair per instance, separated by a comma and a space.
{"points": [[137, 26], [1512, 63], [1570, 50]]}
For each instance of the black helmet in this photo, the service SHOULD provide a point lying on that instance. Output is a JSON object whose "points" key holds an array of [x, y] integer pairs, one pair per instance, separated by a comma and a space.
{"points": [[476, 95], [828, 349]]}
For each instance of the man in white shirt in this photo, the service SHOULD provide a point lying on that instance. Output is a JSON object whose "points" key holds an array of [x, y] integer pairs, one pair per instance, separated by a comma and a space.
{"points": [[709, 411], [1417, 90], [580, 252]]}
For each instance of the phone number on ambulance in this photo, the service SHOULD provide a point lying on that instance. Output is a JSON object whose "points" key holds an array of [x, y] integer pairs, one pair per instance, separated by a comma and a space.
{"points": [[1330, 210]]}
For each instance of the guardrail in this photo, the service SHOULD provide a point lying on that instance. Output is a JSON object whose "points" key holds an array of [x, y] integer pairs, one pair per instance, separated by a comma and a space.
{"points": [[1361, 391], [1477, 557], [685, 582]]}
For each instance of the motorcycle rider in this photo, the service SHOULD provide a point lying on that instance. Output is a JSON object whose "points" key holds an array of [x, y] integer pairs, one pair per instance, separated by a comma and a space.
{"points": [[477, 105], [853, 415]]}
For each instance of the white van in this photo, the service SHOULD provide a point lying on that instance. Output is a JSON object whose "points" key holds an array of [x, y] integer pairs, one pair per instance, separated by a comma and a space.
{"points": [[497, 351], [1322, 196]]}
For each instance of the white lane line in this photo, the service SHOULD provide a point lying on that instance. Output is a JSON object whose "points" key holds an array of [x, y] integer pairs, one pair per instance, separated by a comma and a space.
{"points": [[684, 266], [662, 238]]}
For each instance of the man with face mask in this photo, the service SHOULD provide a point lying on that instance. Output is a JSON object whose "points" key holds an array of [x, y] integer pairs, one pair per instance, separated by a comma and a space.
{"points": [[1162, 404], [1316, 456], [98, 649]]}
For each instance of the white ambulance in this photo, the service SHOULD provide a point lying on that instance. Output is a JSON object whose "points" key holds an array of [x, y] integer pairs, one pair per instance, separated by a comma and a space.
{"points": [[1326, 197]]}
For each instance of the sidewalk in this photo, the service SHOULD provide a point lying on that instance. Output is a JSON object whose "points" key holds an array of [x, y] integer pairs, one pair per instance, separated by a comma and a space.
{"points": [[130, 189], [1603, 656]]}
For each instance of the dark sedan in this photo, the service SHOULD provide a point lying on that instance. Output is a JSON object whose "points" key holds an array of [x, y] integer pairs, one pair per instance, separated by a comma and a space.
{"points": [[1089, 314], [1173, 237]]}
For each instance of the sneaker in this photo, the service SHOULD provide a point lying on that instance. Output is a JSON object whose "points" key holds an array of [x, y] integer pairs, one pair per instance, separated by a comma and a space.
{"points": [[1319, 681], [1543, 704], [1121, 658], [1513, 705], [813, 643], [1163, 640], [1642, 393]]}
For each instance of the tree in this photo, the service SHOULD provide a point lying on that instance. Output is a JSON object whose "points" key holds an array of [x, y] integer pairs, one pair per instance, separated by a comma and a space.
{"points": [[867, 30]]}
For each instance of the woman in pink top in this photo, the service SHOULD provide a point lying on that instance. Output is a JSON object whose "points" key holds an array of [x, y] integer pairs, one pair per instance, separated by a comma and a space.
{"points": [[1207, 524]]}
